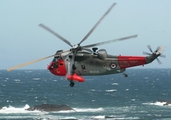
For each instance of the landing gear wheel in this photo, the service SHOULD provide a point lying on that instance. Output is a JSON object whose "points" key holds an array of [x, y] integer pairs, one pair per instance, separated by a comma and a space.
{"points": [[125, 75], [72, 84]]}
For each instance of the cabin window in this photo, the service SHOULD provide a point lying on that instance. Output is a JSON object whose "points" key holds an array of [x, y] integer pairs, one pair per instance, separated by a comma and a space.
{"points": [[83, 67]]}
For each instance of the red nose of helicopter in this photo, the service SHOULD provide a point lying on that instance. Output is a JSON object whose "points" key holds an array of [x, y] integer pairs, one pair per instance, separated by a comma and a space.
{"points": [[57, 67]]}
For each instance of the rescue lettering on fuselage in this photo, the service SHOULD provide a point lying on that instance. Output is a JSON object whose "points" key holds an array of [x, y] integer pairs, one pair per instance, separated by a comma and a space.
{"points": [[133, 61], [124, 63], [94, 71]]}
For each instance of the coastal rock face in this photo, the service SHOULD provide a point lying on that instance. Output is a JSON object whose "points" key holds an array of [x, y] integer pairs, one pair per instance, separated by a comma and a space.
{"points": [[50, 107], [165, 102]]}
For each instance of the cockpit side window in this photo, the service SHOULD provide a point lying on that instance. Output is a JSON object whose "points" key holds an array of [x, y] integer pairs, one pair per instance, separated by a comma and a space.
{"points": [[54, 60], [55, 65]]}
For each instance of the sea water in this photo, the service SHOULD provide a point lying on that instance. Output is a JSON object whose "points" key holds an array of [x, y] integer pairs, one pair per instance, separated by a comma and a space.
{"points": [[109, 97]]}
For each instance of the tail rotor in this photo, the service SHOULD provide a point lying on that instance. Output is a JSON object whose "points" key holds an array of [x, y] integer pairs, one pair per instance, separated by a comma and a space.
{"points": [[158, 52]]}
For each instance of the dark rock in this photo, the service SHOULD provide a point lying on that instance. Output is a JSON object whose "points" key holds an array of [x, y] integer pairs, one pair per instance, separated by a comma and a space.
{"points": [[50, 107], [30, 109], [166, 102]]}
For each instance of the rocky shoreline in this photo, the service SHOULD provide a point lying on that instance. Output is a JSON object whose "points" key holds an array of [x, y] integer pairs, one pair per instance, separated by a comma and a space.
{"points": [[50, 107], [165, 102]]}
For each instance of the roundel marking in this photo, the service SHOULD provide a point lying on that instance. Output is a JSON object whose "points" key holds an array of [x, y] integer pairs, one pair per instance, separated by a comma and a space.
{"points": [[113, 65]]}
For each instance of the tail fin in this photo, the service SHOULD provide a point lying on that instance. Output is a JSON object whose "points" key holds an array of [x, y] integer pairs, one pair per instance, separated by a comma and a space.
{"points": [[158, 52]]}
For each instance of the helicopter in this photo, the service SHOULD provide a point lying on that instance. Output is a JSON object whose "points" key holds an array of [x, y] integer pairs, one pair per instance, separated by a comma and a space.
{"points": [[81, 61]]}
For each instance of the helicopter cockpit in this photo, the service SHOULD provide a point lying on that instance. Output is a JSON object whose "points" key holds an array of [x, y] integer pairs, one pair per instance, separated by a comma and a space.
{"points": [[55, 62], [57, 66]]}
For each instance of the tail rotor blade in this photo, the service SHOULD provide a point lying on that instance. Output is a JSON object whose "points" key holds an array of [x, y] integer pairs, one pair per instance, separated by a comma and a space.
{"points": [[163, 56], [158, 52], [146, 53], [149, 47], [158, 61]]}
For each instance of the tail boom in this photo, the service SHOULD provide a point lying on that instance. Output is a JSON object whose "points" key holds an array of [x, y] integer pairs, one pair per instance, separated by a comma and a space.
{"points": [[131, 61]]}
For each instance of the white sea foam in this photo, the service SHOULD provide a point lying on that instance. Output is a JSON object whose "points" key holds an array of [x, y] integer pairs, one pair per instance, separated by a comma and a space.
{"points": [[114, 83], [81, 110], [133, 99], [88, 109], [17, 80], [126, 89], [36, 78], [64, 111], [11, 109], [93, 90], [99, 117], [69, 118], [157, 104], [102, 117], [113, 90]]}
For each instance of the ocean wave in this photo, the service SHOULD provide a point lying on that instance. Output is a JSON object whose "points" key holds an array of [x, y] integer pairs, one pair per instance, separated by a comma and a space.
{"points": [[80, 110], [103, 117], [113, 90], [22, 110], [98, 117], [114, 83], [13, 110], [88, 109], [69, 118], [157, 103], [17, 80], [36, 78], [92, 90]]}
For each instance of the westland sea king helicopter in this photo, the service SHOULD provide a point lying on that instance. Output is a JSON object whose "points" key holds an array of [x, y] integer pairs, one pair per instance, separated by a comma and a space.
{"points": [[81, 61]]}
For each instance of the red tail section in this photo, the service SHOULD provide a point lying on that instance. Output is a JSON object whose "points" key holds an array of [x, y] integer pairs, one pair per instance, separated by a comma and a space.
{"points": [[130, 61]]}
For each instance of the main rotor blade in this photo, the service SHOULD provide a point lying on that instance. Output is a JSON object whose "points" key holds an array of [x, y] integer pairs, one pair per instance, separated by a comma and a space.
{"points": [[31, 62], [56, 34], [110, 41], [27, 63], [97, 23]]}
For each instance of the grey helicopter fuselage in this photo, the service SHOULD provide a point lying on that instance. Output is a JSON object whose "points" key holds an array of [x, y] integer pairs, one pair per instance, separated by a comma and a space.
{"points": [[88, 62]]}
